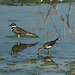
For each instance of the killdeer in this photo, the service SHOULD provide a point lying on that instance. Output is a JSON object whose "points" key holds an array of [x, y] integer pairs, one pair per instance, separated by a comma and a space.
{"points": [[47, 45], [19, 31]]}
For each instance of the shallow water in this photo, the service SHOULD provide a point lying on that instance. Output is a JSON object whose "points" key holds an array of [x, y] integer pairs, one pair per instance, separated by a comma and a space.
{"points": [[48, 22]]}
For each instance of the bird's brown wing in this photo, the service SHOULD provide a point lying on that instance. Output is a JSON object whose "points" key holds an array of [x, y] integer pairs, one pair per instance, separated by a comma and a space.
{"points": [[50, 43], [19, 30]]}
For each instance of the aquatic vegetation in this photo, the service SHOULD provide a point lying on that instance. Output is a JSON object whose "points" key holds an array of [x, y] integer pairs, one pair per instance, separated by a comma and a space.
{"points": [[13, 36], [28, 2], [31, 60]]}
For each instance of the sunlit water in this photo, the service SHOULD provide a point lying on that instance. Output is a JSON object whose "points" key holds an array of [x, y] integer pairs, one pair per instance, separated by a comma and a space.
{"points": [[61, 59]]}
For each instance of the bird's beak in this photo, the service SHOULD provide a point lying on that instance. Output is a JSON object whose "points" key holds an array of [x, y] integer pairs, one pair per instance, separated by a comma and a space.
{"points": [[9, 25]]}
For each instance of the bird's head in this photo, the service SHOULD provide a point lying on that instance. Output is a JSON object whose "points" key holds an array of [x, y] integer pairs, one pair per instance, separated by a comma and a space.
{"points": [[40, 49], [13, 25]]}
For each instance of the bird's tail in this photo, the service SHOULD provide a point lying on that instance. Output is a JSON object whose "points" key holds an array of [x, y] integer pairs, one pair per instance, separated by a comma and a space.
{"points": [[56, 39], [31, 34]]}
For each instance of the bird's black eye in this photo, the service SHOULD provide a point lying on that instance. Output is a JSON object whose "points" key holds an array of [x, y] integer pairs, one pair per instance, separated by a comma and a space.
{"points": [[49, 45]]}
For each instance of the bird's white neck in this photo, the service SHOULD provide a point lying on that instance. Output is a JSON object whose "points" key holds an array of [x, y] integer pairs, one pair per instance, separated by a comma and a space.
{"points": [[13, 26]]}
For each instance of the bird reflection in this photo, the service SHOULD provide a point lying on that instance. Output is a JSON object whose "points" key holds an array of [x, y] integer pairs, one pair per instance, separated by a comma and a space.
{"points": [[47, 59], [20, 47]]}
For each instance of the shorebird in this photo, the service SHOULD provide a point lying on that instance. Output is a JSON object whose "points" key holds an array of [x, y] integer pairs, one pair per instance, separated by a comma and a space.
{"points": [[19, 31], [47, 45]]}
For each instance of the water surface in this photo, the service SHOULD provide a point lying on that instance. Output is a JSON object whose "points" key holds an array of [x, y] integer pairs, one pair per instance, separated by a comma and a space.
{"points": [[48, 21]]}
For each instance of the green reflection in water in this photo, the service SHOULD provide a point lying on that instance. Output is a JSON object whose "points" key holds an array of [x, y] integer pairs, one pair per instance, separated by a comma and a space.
{"points": [[31, 60], [29, 2], [13, 36]]}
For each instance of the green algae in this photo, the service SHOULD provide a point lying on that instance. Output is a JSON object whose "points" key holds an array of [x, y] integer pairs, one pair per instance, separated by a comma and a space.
{"points": [[14, 36]]}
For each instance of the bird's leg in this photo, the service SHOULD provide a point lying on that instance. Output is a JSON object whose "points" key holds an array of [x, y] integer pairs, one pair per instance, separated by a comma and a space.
{"points": [[19, 39], [48, 50]]}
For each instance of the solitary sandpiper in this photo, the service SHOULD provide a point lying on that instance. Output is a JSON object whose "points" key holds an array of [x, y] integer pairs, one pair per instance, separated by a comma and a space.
{"points": [[19, 31], [47, 45]]}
